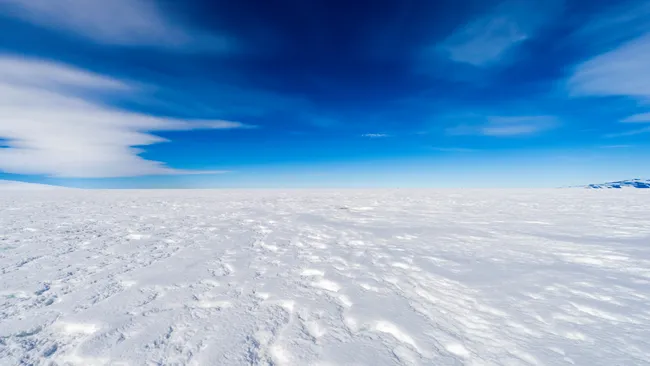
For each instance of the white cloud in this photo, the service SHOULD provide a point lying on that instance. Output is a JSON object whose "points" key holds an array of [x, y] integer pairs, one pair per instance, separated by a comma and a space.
{"points": [[617, 23], [638, 118], [620, 72], [486, 40], [374, 135], [19, 71], [615, 146], [630, 133], [51, 126], [499, 126], [116, 22], [452, 149], [520, 125]]}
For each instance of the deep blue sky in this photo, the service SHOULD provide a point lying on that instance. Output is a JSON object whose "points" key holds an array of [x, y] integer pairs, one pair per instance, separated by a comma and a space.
{"points": [[396, 93]]}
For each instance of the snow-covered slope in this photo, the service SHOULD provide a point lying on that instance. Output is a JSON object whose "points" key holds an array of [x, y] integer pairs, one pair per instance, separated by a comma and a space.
{"points": [[632, 183], [556, 277], [15, 185]]}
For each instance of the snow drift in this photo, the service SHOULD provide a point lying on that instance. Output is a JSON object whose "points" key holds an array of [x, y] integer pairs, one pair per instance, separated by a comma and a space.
{"points": [[556, 277]]}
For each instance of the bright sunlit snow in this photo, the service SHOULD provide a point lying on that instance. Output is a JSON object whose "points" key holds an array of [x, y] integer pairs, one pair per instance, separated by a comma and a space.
{"points": [[549, 277]]}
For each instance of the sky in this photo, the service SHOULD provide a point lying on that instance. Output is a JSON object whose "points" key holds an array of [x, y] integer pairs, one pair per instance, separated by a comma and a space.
{"points": [[324, 93]]}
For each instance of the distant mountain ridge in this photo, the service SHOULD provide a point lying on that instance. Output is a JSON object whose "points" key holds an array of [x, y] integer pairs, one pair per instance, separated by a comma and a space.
{"points": [[632, 183]]}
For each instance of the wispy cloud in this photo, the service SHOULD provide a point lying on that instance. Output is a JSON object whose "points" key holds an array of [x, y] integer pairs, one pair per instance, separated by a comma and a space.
{"points": [[375, 135], [452, 149], [51, 126], [637, 118], [616, 23], [486, 40], [615, 146], [499, 126], [116, 22], [620, 72], [638, 131]]}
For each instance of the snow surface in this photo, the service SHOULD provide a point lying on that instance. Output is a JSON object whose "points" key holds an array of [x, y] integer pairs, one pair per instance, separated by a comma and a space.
{"points": [[547, 277]]}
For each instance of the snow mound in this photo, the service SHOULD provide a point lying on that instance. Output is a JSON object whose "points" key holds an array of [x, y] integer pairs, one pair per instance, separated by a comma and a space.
{"points": [[539, 277]]}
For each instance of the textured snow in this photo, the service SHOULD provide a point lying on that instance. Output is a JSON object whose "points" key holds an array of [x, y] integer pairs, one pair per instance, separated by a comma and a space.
{"points": [[548, 277]]}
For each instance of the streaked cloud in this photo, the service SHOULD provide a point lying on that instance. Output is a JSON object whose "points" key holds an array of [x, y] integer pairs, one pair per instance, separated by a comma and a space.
{"points": [[114, 22], [615, 146], [620, 72], [634, 132], [637, 118], [500, 126], [487, 39], [452, 149], [37, 73], [51, 124], [617, 23], [375, 135]]}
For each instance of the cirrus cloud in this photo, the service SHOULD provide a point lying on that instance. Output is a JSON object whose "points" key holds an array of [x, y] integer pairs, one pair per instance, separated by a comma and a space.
{"points": [[113, 22], [620, 72], [506, 126], [487, 39], [50, 124]]}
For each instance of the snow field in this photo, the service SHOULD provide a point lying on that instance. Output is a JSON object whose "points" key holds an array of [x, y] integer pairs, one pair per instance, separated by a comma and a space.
{"points": [[401, 277]]}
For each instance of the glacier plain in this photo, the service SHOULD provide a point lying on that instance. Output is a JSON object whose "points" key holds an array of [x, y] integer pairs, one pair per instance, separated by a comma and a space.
{"points": [[325, 277]]}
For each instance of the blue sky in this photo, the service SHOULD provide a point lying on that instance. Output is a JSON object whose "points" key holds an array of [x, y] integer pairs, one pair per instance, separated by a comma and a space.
{"points": [[419, 93]]}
